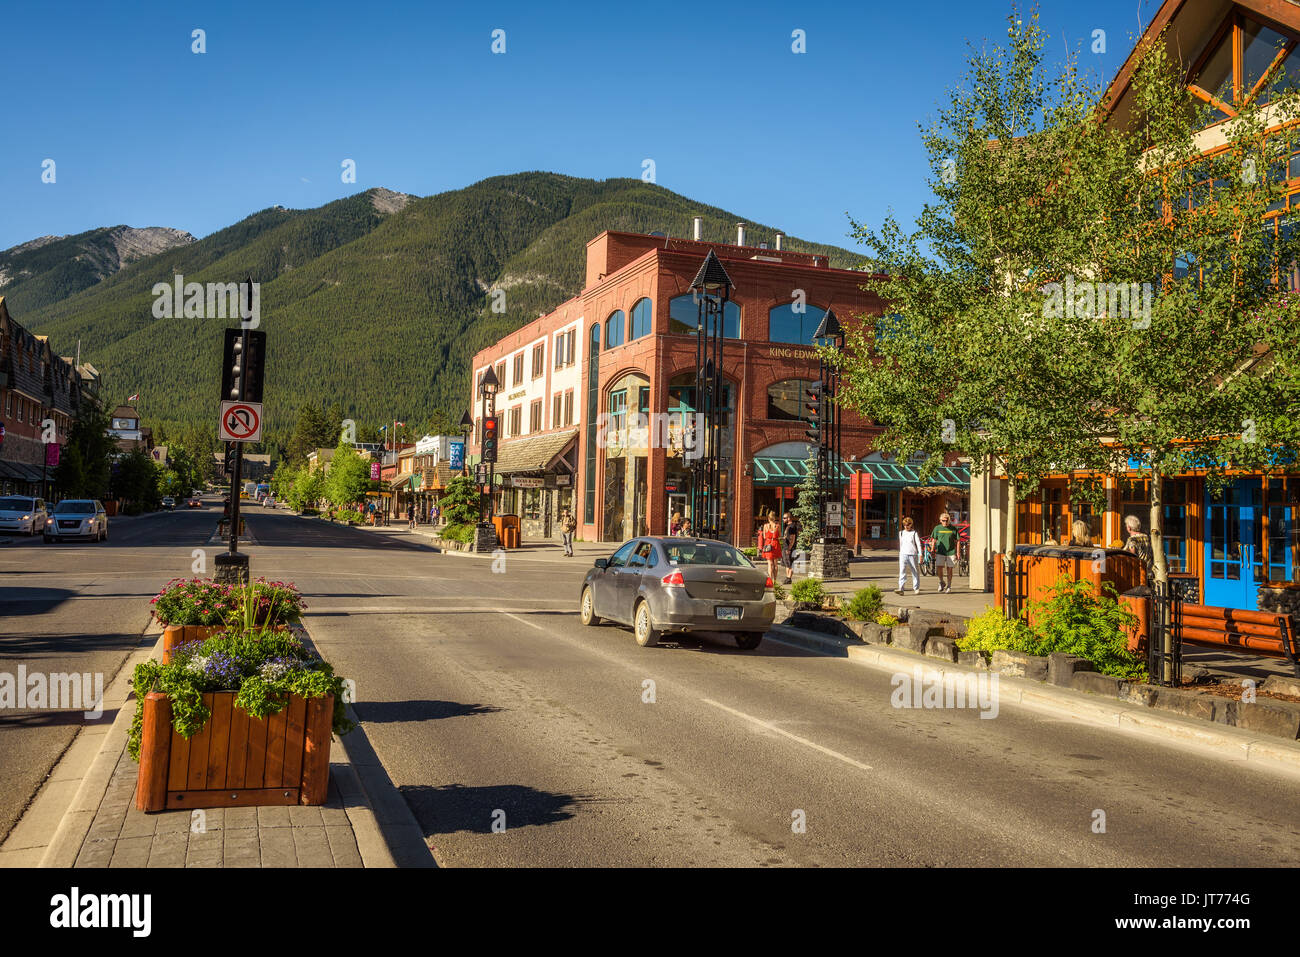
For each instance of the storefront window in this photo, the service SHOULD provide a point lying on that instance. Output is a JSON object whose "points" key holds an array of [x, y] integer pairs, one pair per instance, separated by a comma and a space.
{"points": [[1283, 517], [1135, 498], [532, 503], [684, 316]]}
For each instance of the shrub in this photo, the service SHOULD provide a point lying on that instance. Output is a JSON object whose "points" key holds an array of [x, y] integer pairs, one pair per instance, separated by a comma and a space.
{"points": [[351, 517], [458, 533], [778, 591], [886, 619], [990, 631], [750, 552], [264, 667], [809, 591], [1076, 620], [865, 604]]}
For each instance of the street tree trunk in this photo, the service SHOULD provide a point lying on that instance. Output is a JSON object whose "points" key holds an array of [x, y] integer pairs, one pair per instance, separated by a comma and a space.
{"points": [[1160, 569], [1009, 543]]}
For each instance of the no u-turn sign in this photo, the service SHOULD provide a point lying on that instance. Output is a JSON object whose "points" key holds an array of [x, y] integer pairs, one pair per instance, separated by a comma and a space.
{"points": [[241, 422]]}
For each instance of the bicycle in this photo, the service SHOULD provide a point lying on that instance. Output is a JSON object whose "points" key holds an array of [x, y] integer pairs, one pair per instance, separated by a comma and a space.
{"points": [[963, 558], [927, 556]]}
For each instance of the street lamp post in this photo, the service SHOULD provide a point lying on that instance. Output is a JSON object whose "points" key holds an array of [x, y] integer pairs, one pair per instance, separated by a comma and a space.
{"points": [[712, 291], [487, 391], [830, 448], [466, 426]]}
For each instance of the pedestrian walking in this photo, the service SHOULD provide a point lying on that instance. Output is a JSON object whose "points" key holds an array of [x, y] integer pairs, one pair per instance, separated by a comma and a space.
{"points": [[945, 537], [410, 515], [909, 558], [687, 530], [568, 525], [769, 544], [791, 543]]}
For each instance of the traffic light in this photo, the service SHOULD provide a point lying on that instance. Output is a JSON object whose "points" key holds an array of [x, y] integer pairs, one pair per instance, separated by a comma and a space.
{"points": [[240, 369], [490, 432], [230, 458], [814, 408]]}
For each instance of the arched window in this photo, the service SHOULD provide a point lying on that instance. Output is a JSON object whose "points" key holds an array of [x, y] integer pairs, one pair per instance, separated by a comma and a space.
{"points": [[593, 400], [615, 328], [786, 325], [642, 318], [684, 316], [785, 399]]}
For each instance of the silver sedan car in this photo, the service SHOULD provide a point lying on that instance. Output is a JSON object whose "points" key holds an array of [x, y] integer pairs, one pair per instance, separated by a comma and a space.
{"points": [[663, 585]]}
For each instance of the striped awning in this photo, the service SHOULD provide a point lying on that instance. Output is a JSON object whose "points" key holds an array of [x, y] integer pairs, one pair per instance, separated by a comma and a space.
{"points": [[886, 476]]}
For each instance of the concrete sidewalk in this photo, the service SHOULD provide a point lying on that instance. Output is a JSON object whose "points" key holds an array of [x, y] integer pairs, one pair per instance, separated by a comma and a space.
{"points": [[85, 814]]}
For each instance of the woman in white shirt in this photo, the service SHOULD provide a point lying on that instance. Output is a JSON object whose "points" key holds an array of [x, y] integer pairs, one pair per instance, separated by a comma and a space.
{"points": [[909, 558]]}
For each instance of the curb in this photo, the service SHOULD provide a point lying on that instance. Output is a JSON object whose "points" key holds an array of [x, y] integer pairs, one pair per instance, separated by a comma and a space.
{"points": [[380, 843], [1274, 753]]}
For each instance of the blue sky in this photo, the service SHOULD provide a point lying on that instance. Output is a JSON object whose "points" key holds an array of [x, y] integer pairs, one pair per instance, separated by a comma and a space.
{"points": [[145, 132]]}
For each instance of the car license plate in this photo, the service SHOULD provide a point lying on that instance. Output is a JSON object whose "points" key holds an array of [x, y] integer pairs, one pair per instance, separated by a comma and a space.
{"points": [[727, 613]]}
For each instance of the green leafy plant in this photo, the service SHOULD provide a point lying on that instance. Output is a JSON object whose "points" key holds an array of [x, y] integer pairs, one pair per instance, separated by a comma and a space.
{"points": [[809, 591], [457, 533], [1077, 620], [778, 590], [460, 502], [750, 552], [351, 516], [865, 604], [263, 667], [886, 619], [263, 604], [990, 631]]}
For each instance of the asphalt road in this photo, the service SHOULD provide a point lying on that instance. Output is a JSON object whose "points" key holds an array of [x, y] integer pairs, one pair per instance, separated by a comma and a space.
{"points": [[520, 738], [78, 607]]}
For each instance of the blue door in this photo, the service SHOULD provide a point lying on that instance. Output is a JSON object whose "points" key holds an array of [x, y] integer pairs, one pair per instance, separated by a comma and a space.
{"points": [[1231, 518]]}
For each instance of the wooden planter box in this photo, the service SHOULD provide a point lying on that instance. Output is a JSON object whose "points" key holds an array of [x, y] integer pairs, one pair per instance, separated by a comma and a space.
{"points": [[236, 760], [176, 635]]}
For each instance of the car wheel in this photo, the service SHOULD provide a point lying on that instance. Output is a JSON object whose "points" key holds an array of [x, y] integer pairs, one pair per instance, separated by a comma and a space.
{"points": [[588, 604], [749, 640], [646, 635], [105, 538]]}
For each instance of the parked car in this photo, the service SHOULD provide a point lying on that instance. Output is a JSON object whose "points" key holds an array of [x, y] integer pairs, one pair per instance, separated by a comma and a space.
{"points": [[23, 513], [194, 502], [168, 502], [78, 518], [663, 585]]}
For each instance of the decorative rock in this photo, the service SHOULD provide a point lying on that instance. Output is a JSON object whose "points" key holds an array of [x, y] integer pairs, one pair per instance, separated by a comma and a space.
{"points": [[872, 633], [1017, 664], [972, 659], [940, 647], [1191, 704], [913, 637], [1135, 693], [1277, 718], [1096, 683], [1061, 667], [1280, 684]]}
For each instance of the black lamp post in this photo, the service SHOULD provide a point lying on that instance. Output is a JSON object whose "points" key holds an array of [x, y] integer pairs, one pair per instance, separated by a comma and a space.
{"points": [[466, 426], [712, 290], [830, 447], [487, 390]]}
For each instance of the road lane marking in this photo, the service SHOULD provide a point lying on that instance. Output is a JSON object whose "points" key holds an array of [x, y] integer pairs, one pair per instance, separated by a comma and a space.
{"points": [[793, 737]]}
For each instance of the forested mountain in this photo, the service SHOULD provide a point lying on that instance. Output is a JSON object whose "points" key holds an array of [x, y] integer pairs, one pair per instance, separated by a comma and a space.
{"points": [[376, 302], [50, 268]]}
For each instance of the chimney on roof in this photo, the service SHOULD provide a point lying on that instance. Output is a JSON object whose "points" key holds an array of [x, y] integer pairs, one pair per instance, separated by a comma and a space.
{"points": [[778, 242], [740, 234], [697, 230]]}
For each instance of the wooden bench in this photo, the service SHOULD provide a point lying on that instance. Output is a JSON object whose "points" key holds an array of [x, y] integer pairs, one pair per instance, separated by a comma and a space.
{"points": [[1258, 632]]}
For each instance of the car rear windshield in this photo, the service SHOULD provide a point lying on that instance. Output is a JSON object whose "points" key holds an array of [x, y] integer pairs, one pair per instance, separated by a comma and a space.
{"points": [[705, 553], [75, 508], [15, 504]]}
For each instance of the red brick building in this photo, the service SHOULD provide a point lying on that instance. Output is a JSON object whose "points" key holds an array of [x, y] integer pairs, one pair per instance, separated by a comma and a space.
{"points": [[626, 344]]}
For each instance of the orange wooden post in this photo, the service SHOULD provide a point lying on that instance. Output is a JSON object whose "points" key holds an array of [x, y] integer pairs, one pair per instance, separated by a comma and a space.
{"points": [[155, 751], [857, 515], [316, 751]]}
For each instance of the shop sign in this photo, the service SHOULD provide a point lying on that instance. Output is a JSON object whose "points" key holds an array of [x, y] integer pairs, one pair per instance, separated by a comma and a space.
{"points": [[519, 481], [564, 481]]}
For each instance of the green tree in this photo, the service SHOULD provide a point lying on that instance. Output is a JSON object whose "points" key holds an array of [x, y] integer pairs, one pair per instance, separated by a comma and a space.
{"points": [[84, 467], [806, 510], [348, 478], [461, 501], [135, 480], [307, 491], [282, 480]]}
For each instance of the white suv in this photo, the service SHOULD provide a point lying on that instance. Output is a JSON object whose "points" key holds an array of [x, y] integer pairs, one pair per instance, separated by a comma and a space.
{"points": [[78, 518], [22, 513]]}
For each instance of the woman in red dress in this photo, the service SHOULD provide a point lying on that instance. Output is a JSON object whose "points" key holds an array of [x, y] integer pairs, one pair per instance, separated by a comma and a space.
{"points": [[769, 544]]}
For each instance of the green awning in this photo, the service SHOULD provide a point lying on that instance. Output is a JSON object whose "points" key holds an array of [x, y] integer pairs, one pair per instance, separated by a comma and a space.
{"points": [[771, 471]]}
